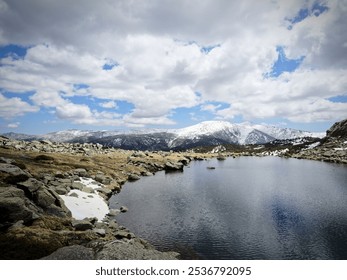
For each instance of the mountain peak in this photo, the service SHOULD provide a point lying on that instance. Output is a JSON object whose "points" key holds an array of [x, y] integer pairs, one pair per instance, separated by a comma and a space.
{"points": [[207, 133], [206, 128]]}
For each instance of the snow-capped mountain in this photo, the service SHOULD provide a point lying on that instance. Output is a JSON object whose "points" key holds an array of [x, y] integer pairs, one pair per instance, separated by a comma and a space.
{"points": [[72, 134], [287, 133], [226, 131], [207, 133]]}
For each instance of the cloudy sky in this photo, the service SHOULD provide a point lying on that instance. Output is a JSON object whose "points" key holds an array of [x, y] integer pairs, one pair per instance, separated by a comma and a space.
{"points": [[125, 64]]}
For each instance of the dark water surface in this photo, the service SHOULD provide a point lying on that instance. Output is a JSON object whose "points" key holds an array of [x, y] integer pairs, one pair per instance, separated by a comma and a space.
{"points": [[246, 208]]}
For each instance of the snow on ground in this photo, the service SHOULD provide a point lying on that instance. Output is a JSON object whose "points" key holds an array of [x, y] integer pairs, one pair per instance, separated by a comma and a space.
{"points": [[275, 153], [89, 182], [258, 148], [86, 205], [340, 149], [313, 145]]}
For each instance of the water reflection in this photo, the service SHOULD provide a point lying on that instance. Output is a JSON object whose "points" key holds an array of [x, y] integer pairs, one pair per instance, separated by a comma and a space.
{"points": [[246, 208]]}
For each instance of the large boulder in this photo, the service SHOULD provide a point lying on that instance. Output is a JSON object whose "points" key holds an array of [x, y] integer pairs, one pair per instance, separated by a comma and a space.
{"points": [[339, 129], [133, 177], [171, 166], [133, 250], [44, 198], [14, 207], [30, 186], [82, 225], [13, 174], [74, 252]]}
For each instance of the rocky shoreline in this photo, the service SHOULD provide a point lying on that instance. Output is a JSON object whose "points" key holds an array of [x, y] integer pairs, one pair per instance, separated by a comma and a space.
{"points": [[38, 178], [35, 177]]}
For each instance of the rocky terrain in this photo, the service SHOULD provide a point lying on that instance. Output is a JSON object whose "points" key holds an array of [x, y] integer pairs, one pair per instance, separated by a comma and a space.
{"points": [[37, 176], [41, 182], [332, 148]]}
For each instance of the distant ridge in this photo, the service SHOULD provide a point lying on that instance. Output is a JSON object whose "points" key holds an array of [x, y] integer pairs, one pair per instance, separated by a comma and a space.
{"points": [[206, 133]]}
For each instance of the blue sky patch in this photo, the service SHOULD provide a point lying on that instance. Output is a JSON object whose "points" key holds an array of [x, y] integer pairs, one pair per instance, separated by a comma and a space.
{"points": [[193, 115], [24, 96], [123, 107], [110, 65], [14, 51], [207, 49], [317, 9], [188, 116], [81, 100], [283, 64], [80, 86], [338, 99]]}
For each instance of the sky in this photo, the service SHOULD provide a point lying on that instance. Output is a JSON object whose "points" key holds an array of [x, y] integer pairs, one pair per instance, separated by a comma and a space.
{"points": [[138, 64]]}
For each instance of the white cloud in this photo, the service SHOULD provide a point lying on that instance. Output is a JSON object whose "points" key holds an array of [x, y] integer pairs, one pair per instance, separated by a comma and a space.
{"points": [[109, 105], [159, 64], [73, 111], [48, 98], [210, 107], [13, 107], [81, 114], [13, 125]]}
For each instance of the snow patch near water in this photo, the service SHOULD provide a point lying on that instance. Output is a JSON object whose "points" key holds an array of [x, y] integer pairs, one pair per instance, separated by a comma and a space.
{"points": [[89, 182], [86, 205]]}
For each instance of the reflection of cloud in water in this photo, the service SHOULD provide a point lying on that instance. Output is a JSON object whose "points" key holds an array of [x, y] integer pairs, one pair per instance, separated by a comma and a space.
{"points": [[247, 208], [298, 237], [286, 218]]}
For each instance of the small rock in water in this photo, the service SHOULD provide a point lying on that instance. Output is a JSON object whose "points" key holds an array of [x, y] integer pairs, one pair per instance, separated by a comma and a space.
{"points": [[123, 209], [221, 158], [133, 177], [113, 212]]}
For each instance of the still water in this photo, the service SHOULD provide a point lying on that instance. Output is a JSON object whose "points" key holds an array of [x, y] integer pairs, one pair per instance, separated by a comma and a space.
{"points": [[245, 208]]}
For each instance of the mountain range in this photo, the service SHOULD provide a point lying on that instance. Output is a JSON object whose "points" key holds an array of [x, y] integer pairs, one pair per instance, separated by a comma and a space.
{"points": [[208, 133]]}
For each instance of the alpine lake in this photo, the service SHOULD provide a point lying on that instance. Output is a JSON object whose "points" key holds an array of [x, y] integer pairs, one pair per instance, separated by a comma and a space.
{"points": [[267, 208]]}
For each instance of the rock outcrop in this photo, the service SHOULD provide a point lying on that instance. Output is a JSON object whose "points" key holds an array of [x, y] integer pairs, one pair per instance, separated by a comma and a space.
{"points": [[338, 130], [333, 148]]}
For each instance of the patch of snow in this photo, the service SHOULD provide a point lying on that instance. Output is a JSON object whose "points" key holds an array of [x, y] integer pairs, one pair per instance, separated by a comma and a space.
{"points": [[275, 153], [313, 145], [298, 141], [86, 205], [218, 149], [258, 148], [340, 149], [89, 182]]}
